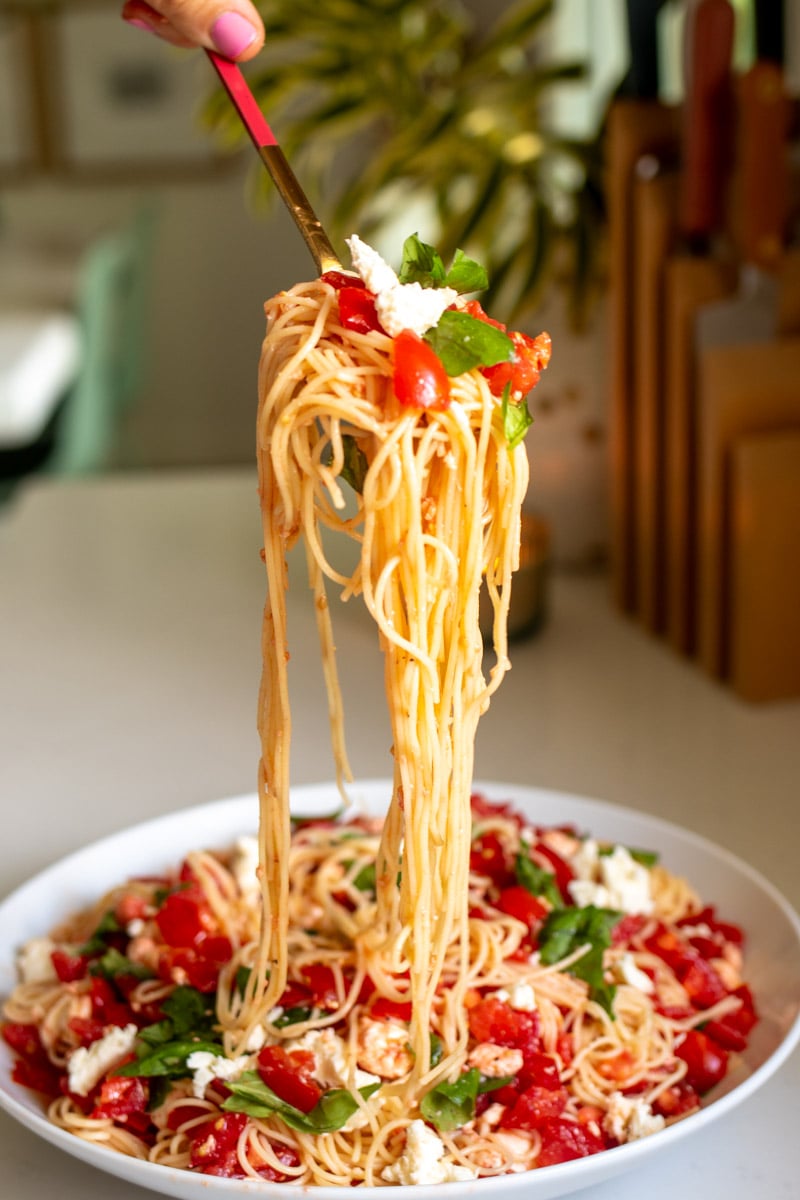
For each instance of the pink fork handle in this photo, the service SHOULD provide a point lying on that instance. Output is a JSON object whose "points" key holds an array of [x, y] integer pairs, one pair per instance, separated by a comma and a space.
{"points": [[243, 100]]}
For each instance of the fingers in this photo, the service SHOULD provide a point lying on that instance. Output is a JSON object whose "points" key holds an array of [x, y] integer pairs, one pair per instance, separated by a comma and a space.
{"points": [[232, 27]]}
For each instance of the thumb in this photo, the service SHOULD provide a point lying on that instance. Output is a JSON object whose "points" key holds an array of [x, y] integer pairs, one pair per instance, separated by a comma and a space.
{"points": [[232, 27]]}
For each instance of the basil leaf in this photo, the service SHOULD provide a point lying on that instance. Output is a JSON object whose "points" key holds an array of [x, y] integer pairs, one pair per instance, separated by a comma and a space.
{"points": [[517, 419], [491, 1084], [97, 942], [421, 264], [647, 858], [466, 275], [354, 469], [189, 1009], [168, 1059], [113, 963], [566, 930], [437, 1049], [250, 1095], [292, 1015], [463, 342], [450, 1105], [365, 879], [537, 880]]}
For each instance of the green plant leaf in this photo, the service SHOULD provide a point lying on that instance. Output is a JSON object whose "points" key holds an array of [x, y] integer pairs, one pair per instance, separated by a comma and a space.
{"points": [[463, 342], [250, 1095], [517, 419]]}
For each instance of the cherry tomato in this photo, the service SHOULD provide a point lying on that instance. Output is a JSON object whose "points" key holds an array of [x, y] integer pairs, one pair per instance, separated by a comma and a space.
{"points": [[487, 856], [68, 967], [185, 918], [122, 1098], [563, 1140], [531, 356], [493, 1020], [357, 310], [290, 1075], [420, 380], [533, 1106], [341, 279], [214, 1146], [391, 1010], [518, 902], [541, 1070], [706, 1060]]}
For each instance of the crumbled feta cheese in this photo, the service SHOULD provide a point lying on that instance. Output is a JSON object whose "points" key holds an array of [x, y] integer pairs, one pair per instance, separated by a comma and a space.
{"points": [[521, 997], [626, 971], [399, 305], [88, 1064], [613, 880], [244, 865], [421, 1161], [256, 1039], [207, 1066], [331, 1069], [135, 927], [630, 1117], [34, 962]]}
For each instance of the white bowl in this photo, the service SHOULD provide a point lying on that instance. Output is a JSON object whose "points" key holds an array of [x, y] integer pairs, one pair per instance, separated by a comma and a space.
{"points": [[772, 968]]}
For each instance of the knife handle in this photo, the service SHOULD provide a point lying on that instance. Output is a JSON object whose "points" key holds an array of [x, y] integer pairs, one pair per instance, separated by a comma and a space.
{"points": [[763, 192], [708, 52]]}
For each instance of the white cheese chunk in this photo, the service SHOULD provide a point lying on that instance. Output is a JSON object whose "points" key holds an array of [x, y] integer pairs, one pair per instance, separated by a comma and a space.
{"points": [[421, 1161], [34, 962], [521, 997], [399, 305], [612, 880], [206, 1066], [330, 1057], [626, 971], [88, 1064], [630, 1117]]}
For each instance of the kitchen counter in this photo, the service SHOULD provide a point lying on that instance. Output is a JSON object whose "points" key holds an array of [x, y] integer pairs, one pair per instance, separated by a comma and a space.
{"points": [[129, 662]]}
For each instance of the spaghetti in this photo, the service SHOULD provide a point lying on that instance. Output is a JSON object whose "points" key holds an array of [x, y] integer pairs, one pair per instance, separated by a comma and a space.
{"points": [[451, 994]]}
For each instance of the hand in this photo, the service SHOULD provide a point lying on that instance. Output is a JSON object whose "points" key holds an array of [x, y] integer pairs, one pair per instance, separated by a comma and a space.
{"points": [[232, 27]]}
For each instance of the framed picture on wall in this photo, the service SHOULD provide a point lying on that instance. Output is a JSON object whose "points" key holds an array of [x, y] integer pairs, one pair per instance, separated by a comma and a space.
{"points": [[122, 102]]}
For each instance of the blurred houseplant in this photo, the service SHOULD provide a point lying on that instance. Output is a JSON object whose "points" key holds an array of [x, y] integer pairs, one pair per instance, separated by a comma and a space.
{"points": [[379, 103]]}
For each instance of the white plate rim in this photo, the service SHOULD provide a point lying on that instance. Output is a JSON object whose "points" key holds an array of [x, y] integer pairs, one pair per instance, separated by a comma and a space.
{"points": [[241, 813]]}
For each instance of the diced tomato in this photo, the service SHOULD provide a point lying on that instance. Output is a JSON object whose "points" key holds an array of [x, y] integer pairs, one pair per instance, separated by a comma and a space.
{"points": [[290, 1074], [86, 1029], [357, 310], [495, 1021], [284, 1154], [68, 967], [179, 1114], [214, 1146], [518, 902], [702, 982], [391, 1010], [531, 356], [732, 1030], [677, 1100], [565, 1048], [561, 869], [481, 807], [706, 1060], [24, 1040], [707, 916], [106, 1007], [563, 1140], [341, 279], [617, 1067], [122, 1098], [533, 1106], [627, 928], [488, 857], [39, 1077], [540, 1069], [295, 996], [185, 918], [130, 907], [475, 309], [217, 949], [322, 983], [182, 965], [419, 377]]}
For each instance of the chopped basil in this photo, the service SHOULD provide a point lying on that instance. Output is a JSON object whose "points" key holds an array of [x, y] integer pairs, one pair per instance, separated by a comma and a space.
{"points": [[463, 342], [537, 880], [365, 879], [97, 943], [517, 418], [250, 1095], [169, 1058], [564, 931], [450, 1105], [423, 264], [354, 470], [437, 1049], [291, 1016], [113, 963], [188, 1025]]}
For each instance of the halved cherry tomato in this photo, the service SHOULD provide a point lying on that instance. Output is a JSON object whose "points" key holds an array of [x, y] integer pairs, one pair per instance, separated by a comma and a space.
{"points": [[518, 902], [419, 377], [341, 279], [391, 1010], [563, 1140], [487, 856], [533, 1106], [531, 356], [706, 1061], [214, 1146], [357, 310], [68, 967], [121, 1099], [290, 1075], [185, 918], [493, 1020]]}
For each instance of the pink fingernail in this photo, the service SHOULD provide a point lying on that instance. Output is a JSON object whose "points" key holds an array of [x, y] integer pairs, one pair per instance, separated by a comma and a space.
{"points": [[232, 34], [137, 24]]}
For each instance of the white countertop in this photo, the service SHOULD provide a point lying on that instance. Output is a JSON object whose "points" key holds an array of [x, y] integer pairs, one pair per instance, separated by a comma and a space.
{"points": [[129, 663]]}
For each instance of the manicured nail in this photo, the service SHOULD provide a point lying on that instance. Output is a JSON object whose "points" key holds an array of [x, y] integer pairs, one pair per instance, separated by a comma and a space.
{"points": [[232, 34], [137, 24]]}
